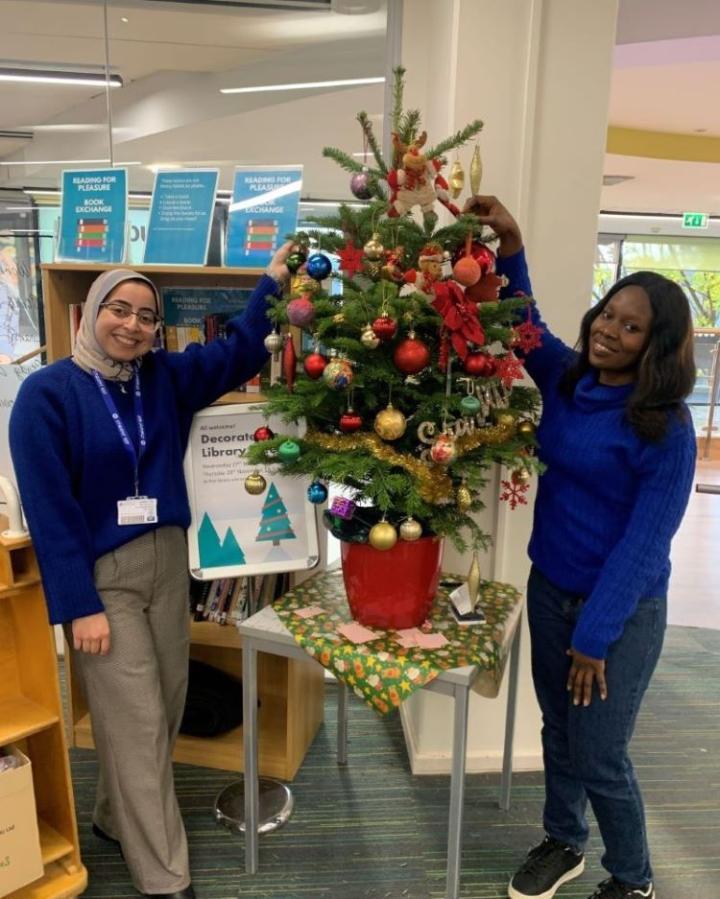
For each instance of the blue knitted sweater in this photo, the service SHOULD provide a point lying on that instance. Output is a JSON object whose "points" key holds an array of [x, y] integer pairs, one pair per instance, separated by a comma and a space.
{"points": [[609, 503], [72, 467]]}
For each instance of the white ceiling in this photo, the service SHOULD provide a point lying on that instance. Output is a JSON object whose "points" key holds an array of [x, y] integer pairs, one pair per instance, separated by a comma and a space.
{"points": [[174, 57]]}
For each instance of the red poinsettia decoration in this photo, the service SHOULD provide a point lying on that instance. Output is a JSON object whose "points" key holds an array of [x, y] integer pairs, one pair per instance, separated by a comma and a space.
{"points": [[350, 259], [461, 325]]}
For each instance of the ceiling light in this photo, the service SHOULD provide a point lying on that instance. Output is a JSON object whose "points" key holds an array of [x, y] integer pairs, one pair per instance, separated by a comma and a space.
{"points": [[124, 20], [59, 76], [301, 85], [51, 161]]}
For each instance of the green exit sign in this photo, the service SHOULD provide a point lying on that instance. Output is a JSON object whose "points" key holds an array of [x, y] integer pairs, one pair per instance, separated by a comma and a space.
{"points": [[694, 220]]}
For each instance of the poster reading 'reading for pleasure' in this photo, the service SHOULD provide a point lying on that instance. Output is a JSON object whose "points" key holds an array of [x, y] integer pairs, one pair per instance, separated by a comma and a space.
{"points": [[93, 217], [263, 212], [233, 533]]}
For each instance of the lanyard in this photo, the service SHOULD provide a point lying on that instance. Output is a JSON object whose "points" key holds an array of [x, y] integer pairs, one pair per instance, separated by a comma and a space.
{"points": [[135, 455]]}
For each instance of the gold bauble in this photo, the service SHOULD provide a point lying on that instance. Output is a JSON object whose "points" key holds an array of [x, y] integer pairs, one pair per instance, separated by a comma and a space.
{"points": [[372, 268], [390, 423], [302, 283], [463, 498], [476, 171], [338, 318], [369, 339], [505, 419], [255, 483], [456, 179], [373, 249], [526, 428], [410, 530], [521, 475], [382, 535]]}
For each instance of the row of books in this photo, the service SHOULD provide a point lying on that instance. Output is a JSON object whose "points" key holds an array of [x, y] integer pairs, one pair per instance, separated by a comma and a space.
{"points": [[224, 600], [232, 600]]}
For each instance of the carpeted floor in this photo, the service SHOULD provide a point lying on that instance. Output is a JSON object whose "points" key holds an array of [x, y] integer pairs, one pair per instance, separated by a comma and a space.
{"points": [[373, 830]]}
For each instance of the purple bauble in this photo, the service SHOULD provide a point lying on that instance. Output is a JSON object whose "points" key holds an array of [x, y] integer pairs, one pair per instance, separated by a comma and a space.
{"points": [[360, 185], [300, 312]]}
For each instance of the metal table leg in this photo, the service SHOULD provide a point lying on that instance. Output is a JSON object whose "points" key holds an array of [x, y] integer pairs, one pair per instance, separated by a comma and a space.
{"points": [[506, 779], [342, 722], [249, 663], [457, 790]]}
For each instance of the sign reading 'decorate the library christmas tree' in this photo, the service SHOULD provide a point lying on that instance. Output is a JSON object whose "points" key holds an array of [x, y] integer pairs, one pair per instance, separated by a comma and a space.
{"points": [[263, 211], [234, 533], [93, 218]]}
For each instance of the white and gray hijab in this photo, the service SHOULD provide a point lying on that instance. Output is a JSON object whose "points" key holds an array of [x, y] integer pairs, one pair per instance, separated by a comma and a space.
{"points": [[87, 352]]}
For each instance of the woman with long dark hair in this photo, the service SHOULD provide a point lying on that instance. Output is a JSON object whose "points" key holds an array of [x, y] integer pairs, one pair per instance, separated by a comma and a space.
{"points": [[619, 446]]}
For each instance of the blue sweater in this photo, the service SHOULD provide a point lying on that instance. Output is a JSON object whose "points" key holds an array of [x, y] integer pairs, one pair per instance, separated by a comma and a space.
{"points": [[609, 503], [72, 467]]}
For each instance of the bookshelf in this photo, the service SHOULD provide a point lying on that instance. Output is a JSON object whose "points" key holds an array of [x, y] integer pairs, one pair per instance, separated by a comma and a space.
{"points": [[290, 692], [31, 718]]}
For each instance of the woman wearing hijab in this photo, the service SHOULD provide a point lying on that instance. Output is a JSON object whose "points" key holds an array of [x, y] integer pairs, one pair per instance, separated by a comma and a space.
{"points": [[97, 442]]}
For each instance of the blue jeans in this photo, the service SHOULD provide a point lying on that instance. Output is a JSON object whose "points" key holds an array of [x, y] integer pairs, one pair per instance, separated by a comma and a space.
{"points": [[586, 749]]}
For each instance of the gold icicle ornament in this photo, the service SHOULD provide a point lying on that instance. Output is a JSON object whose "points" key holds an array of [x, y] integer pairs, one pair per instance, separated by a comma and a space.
{"points": [[456, 179], [473, 581], [463, 498], [476, 171]]}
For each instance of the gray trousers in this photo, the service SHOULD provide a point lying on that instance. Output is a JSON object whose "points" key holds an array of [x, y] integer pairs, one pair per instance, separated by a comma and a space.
{"points": [[136, 696]]}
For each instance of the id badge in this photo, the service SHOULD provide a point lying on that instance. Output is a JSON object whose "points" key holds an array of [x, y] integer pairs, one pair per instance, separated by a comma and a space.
{"points": [[137, 510]]}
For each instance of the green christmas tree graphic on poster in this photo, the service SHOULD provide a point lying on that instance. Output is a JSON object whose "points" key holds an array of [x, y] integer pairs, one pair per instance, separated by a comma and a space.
{"points": [[275, 524], [215, 553]]}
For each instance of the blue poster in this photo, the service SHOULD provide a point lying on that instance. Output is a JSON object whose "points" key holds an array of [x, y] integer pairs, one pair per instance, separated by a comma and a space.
{"points": [[263, 211], [181, 216], [93, 217]]}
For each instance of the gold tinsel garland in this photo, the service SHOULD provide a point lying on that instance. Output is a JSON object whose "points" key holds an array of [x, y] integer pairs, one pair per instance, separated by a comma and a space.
{"points": [[434, 484]]}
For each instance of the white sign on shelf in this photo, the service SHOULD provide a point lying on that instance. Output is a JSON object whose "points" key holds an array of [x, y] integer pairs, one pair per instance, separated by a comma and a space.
{"points": [[233, 533]]}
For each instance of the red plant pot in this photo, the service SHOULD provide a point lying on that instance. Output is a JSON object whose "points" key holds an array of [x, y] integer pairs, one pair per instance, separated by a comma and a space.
{"points": [[391, 588]]}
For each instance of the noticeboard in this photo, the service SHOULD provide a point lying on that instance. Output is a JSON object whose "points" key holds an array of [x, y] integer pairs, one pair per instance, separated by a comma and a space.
{"points": [[232, 533]]}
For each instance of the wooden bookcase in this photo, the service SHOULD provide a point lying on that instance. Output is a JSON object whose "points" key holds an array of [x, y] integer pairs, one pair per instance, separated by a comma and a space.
{"points": [[291, 693], [31, 717]]}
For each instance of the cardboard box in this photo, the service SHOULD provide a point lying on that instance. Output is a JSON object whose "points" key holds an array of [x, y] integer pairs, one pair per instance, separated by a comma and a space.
{"points": [[20, 856]]}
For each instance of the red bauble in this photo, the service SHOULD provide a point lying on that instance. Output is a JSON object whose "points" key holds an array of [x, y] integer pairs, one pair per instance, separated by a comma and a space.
{"points": [[384, 327], [484, 257], [411, 356], [490, 365], [314, 365], [350, 422], [301, 312], [263, 433], [479, 365]]}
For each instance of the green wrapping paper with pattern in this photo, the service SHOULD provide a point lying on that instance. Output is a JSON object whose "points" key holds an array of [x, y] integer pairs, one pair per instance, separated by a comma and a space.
{"points": [[382, 672]]}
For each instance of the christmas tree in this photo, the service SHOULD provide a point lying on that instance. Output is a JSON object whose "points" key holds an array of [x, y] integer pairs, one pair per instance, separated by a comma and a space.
{"points": [[410, 392], [274, 524]]}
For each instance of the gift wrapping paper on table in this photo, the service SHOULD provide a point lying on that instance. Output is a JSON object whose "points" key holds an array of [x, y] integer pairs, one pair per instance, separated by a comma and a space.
{"points": [[382, 671]]}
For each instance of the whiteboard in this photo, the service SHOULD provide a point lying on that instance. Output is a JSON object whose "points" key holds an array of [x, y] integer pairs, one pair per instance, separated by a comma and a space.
{"points": [[234, 534]]}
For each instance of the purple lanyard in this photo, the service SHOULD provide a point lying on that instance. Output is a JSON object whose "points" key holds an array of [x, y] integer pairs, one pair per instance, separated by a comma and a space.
{"points": [[135, 455]]}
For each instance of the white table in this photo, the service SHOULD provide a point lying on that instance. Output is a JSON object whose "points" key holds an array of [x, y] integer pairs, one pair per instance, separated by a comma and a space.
{"points": [[265, 632]]}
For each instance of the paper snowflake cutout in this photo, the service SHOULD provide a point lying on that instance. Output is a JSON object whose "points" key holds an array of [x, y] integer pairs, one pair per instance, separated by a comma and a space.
{"points": [[514, 493]]}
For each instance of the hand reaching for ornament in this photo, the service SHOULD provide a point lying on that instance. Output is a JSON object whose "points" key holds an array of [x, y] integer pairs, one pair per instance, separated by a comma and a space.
{"points": [[490, 211], [277, 267]]}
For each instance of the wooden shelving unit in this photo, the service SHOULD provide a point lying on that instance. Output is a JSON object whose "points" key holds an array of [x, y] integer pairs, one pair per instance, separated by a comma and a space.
{"points": [[290, 693], [31, 718]]}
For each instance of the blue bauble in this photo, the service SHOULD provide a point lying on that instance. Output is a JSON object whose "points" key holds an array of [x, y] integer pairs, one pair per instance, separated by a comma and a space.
{"points": [[317, 493], [318, 266]]}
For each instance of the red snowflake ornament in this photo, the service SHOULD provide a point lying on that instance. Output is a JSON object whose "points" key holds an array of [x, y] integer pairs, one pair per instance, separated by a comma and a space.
{"points": [[527, 336], [350, 259], [508, 368], [514, 493]]}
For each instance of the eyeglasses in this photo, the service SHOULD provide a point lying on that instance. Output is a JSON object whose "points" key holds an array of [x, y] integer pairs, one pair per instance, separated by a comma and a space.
{"points": [[147, 319]]}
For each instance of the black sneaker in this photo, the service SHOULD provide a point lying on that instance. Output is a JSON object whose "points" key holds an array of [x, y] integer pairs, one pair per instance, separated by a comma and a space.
{"points": [[546, 868], [614, 889]]}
